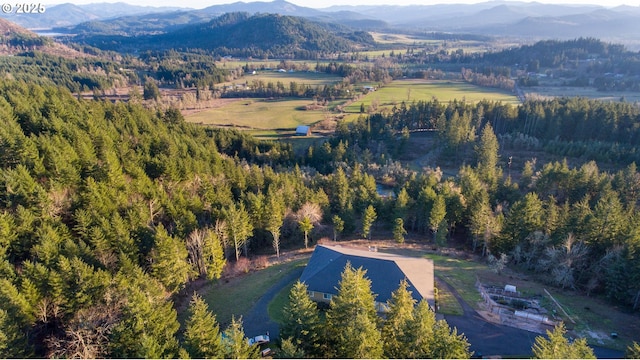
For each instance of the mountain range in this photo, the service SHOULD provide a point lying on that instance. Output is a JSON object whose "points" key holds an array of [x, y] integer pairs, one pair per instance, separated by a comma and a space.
{"points": [[15, 39], [498, 18]]}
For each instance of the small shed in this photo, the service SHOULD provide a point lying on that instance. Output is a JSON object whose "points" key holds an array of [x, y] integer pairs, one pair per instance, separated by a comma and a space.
{"points": [[303, 130]]}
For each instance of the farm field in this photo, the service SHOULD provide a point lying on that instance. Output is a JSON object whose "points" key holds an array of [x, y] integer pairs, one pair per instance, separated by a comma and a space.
{"points": [[270, 118], [302, 78], [591, 93], [414, 90], [259, 114]]}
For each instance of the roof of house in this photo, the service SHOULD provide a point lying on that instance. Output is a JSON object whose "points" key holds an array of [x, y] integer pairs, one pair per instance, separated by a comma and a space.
{"points": [[324, 271], [302, 129]]}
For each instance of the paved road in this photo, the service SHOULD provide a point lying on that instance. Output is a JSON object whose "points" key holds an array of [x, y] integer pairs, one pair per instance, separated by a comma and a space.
{"points": [[257, 320]]}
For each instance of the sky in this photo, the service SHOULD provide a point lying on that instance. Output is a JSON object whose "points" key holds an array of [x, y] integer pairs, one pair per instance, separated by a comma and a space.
{"points": [[326, 3]]}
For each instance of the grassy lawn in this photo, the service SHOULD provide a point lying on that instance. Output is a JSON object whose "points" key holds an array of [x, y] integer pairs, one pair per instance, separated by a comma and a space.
{"points": [[447, 303], [259, 114], [237, 296], [459, 274], [414, 90]]}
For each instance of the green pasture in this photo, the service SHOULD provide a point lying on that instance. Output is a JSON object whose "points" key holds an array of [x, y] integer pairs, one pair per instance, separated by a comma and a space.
{"points": [[414, 90], [259, 114], [386, 38], [300, 77]]}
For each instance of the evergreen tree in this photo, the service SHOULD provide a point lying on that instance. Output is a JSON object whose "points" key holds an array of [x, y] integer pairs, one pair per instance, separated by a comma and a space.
{"points": [[148, 323], [305, 226], [235, 345], [289, 350], [368, 218], [396, 325], [169, 261], [525, 217], [431, 339], [150, 91], [487, 153], [12, 341], [352, 320], [338, 226], [557, 346], [442, 233], [275, 217], [398, 231], [401, 206], [302, 320], [202, 333], [633, 351], [437, 215], [213, 254], [420, 331], [448, 344]]}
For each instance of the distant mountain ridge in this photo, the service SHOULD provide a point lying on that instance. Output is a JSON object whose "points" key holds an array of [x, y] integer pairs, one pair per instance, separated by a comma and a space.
{"points": [[15, 40], [243, 34], [69, 14], [498, 18]]}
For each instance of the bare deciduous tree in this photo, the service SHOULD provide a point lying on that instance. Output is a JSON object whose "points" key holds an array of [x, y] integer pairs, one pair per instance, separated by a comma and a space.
{"points": [[87, 334]]}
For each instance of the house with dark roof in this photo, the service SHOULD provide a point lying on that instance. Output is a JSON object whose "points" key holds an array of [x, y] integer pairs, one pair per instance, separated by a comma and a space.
{"points": [[324, 271]]}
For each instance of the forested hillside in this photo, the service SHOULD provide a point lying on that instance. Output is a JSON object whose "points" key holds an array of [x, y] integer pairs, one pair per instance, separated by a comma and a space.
{"points": [[98, 203], [15, 40], [108, 210], [241, 34]]}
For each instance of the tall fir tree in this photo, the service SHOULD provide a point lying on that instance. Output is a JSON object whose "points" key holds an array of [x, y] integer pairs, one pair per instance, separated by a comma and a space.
{"points": [[275, 217], [368, 218], [487, 154], [396, 325], [235, 345], [434, 339], [557, 346], [302, 320], [352, 319], [169, 261], [437, 215], [399, 231], [202, 338]]}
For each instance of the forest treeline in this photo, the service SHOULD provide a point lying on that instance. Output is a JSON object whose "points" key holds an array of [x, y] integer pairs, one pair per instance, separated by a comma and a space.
{"points": [[108, 209], [569, 225], [575, 127]]}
